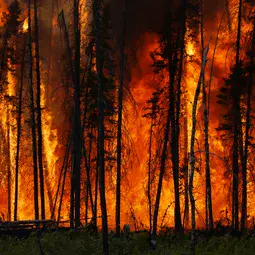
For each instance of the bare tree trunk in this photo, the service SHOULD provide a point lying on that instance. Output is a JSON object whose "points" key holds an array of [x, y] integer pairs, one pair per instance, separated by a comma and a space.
{"points": [[96, 190], [32, 112], [62, 24], [87, 157], [236, 112], [186, 217], [101, 135], [247, 134], [166, 134], [76, 161], [208, 197], [63, 188], [8, 160], [39, 115], [67, 152], [19, 118], [119, 133], [178, 224], [192, 151], [149, 178]]}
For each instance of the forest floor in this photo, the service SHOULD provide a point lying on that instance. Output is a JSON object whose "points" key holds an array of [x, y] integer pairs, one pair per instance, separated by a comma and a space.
{"points": [[85, 243]]}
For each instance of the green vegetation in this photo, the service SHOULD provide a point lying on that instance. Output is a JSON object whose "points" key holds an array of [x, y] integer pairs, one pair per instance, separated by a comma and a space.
{"points": [[85, 243]]}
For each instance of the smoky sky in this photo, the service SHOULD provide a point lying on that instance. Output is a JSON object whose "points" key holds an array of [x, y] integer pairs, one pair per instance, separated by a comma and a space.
{"points": [[147, 15]]}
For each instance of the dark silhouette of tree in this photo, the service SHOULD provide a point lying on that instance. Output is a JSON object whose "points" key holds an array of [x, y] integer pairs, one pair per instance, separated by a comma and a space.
{"points": [[32, 112], [39, 114], [119, 133]]}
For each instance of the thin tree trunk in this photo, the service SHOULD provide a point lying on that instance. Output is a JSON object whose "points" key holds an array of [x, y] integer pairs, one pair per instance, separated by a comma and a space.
{"points": [[178, 224], [101, 135], [8, 160], [208, 197], [19, 134], [236, 106], [166, 134], [186, 172], [149, 178], [162, 172], [87, 158], [60, 177], [96, 188], [62, 192], [247, 134], [32, 113], [192, 151], [39, 114], [119, 132], [62, 24], [76, 161]]}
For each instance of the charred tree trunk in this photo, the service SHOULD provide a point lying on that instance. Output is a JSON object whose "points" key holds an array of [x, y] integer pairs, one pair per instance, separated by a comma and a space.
{"points": [[96, 189], [101, 135], [186, 218], [32, 113], [87, 157], [119, 133], [208, 197], [247, 134], [149, 177], [76, 153], [169, 121], [67, 152], [236, 126], [39, 114], [162, 171], [63, 185], [192, 151], [8, 160], [62, 24], [182, 33], [19, 118]]}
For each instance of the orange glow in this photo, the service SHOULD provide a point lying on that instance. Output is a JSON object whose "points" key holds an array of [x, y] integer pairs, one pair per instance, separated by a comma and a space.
{"points": [[143, 82], [25, 25]]}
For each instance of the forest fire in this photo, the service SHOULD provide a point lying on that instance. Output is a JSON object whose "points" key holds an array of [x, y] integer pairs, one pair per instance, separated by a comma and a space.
{"points": [[155, 132]]}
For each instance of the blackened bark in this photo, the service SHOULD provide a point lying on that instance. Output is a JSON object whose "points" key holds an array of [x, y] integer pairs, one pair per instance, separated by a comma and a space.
{"points": [[186, 218], [149, 177], [19, 117], [63, 185], [192, 151], [247, 134], [236, 126], [119, 132], [208, 197], [76, 153], [8, 161], [32, 113], [39, 114], [62, 24], [101, 135], [162, 171], [182, 33], [87, 157], [96, 188]]}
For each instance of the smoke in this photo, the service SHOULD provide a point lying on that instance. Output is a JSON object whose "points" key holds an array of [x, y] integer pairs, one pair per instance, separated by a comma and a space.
{"points": [[147, 15]]}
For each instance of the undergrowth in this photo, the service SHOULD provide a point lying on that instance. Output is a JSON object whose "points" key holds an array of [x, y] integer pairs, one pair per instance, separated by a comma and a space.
{"points": [[83, 242]]}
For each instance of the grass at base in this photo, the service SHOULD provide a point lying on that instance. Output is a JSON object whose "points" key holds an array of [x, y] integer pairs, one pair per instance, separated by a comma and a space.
{"points": [[85, 243]]}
